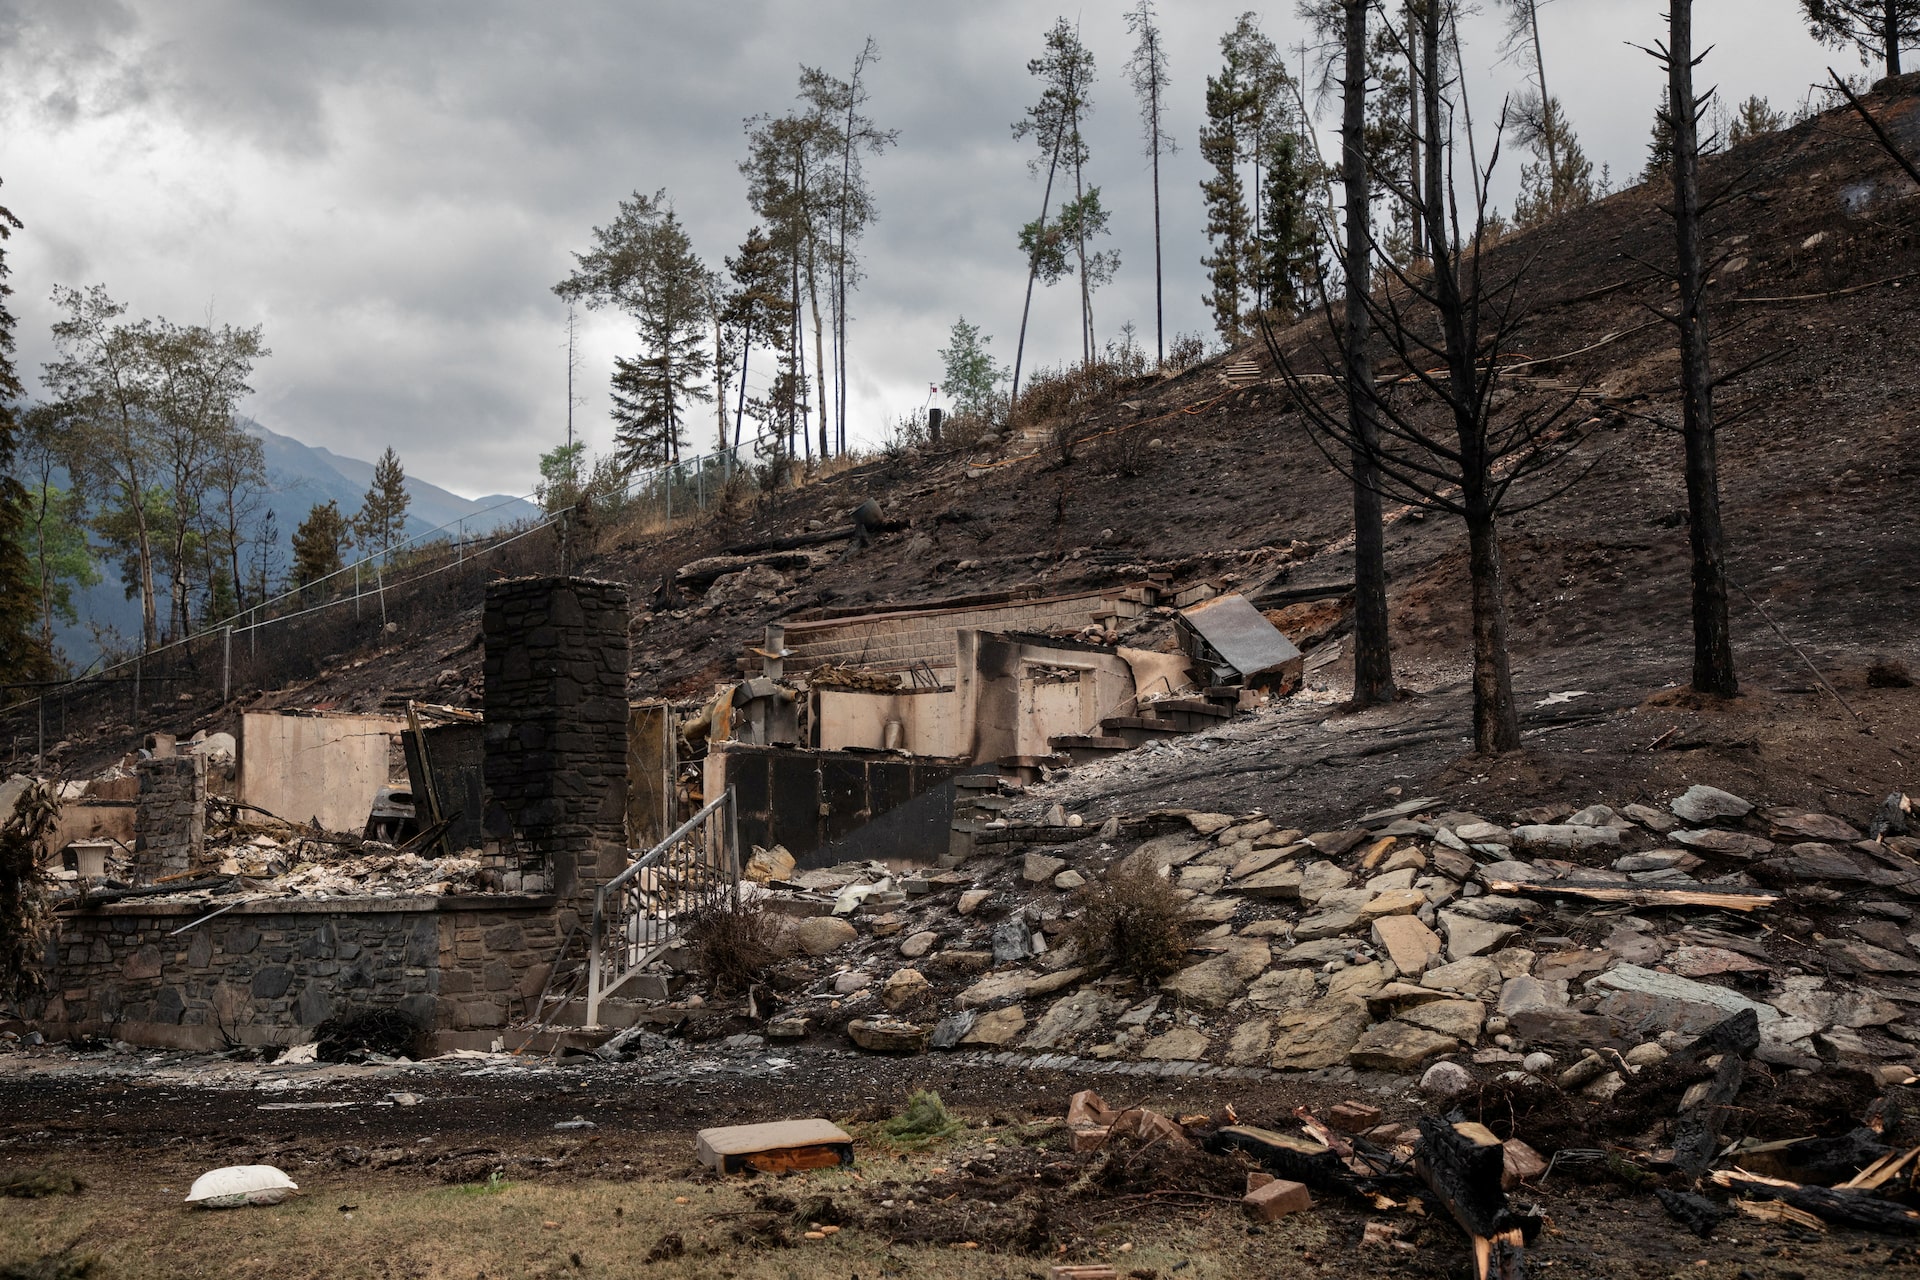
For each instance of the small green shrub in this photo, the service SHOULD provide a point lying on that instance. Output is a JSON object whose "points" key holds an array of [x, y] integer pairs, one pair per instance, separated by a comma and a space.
{"points": [[924, 1117]]}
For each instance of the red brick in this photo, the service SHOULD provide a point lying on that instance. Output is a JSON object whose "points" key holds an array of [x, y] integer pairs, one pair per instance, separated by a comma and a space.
{"points": [[1276, 1200]]}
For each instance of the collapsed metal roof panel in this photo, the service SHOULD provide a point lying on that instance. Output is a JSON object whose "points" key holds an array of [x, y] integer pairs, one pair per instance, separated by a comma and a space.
{"points": [[1238, 636]]}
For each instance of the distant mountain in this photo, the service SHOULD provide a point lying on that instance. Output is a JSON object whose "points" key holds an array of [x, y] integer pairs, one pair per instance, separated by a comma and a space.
{"points": [[303, 474], [299, 477]]}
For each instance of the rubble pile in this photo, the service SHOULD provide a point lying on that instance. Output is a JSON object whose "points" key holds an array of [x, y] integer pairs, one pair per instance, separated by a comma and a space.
{"points": [[1575, 946]]}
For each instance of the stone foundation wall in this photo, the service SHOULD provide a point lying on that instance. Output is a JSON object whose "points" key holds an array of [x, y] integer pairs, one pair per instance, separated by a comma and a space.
{"points": [[171, 817], [264, 974]]}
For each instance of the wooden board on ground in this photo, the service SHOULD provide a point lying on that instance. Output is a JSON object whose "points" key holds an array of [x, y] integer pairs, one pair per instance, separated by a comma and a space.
{"points": [[780, 1147], [1637, 895]]}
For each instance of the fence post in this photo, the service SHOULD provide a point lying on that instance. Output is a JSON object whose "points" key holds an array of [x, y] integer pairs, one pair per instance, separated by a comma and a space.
{"points": [[356, 588], [226, 666], [136, 689], [40, 751]]}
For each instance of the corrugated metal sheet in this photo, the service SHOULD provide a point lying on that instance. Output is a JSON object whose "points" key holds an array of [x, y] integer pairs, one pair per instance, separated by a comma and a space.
{"points": [[1238, 636]]}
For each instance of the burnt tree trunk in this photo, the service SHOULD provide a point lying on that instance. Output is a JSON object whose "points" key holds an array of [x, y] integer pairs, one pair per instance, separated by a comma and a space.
{"points": [[1712, 640], [1892, 34], [1496, 721], [1496, 718], [1372, 658]]}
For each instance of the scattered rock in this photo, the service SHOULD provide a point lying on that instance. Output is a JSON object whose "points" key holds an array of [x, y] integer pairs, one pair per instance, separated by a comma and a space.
{"points": [[1444, 1081], [1399, 1046], [1565, 839], [1409, 944], [819, 935], [1182, 1044], [1068, 880], [1038, 868], [768, 864], [1653, 820], [888, 1035], [1704, 804], [996, 1028], [1469, 937], [1209, 824], [1317, 1036], [1250, 1042], [905, 989], [1459, 1019], [971, 900], [1733, 844], [918, 944], [1641, 998]]}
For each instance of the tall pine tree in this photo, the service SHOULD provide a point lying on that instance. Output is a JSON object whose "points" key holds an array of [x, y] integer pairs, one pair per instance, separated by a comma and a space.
{"points": [[21, 651]]}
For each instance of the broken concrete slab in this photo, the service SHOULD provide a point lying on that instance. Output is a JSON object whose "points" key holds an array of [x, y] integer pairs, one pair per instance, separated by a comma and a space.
{"points": [[1648, 1001]]}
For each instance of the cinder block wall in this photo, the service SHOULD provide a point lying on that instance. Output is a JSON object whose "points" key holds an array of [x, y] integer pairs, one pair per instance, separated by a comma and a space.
{"points": [[556, 709]]}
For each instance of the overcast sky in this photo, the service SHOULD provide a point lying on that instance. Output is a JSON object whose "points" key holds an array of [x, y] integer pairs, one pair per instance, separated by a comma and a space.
{"points": [[391, 188]]}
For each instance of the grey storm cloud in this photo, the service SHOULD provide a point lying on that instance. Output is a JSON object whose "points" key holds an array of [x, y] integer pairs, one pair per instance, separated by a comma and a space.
{"points": [[391, 189]]}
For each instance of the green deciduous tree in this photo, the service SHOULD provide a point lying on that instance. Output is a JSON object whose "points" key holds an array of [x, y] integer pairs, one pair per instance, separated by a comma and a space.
{"points": [[54, 531], [643, 263]]}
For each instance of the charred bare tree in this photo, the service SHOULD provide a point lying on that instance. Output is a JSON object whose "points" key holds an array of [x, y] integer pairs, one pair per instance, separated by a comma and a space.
{"points": [[1438, 440], [1712, 638], [1372, 655]]}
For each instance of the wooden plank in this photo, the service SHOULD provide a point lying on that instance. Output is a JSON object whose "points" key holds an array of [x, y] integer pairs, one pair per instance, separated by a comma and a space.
{"points": [[1636, 895]]}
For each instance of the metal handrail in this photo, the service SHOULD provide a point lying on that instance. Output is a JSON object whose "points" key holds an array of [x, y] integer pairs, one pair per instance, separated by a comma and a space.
{"points": [[605, 969]]}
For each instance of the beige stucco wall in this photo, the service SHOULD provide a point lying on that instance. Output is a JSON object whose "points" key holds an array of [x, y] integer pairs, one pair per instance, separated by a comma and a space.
{"points": [[931, 721], [315, 767]]}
